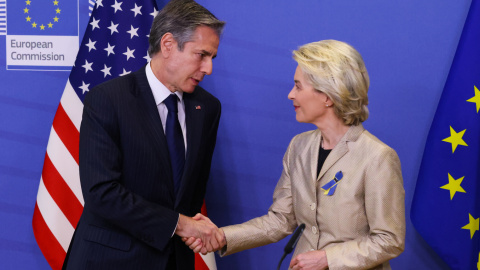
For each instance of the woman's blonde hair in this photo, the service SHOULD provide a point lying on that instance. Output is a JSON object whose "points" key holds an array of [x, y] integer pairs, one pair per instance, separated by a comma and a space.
{"points": [[337, 69]]}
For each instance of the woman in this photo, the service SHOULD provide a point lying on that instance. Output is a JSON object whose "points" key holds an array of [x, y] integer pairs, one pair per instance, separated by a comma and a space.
{"points": [[340, 180]]}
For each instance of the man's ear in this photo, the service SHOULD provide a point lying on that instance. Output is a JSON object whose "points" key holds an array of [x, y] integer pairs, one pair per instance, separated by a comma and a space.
{"points": [[167, 44]]}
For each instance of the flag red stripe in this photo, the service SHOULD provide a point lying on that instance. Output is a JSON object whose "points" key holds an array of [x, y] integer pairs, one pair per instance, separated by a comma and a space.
{"points": [[61, 192], [67, 132], [199, 263], [51, 249]]}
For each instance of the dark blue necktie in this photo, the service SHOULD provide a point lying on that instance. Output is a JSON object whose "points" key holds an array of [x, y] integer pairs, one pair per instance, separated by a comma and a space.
{"points": [[176, 145]]}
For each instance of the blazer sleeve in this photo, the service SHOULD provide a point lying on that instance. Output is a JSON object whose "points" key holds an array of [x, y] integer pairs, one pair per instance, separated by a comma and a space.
{"points": [[278, 223], [101, 173], [385, 209]]}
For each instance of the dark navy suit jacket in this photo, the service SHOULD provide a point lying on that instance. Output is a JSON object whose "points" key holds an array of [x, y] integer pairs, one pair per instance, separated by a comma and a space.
{"points": [[130, 207]]}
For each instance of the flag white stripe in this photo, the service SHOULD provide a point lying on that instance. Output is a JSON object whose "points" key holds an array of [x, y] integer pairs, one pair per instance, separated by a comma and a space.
{"points": [[65, 164], [209, 260], [72, 105], [54, 217]]}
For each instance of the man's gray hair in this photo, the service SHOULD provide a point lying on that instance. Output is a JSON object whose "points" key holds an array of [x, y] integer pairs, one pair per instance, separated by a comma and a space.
{"points": [[181, 18]]}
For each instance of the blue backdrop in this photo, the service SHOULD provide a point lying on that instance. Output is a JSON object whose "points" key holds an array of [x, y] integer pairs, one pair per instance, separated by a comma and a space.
{"points": [[408, 48]]}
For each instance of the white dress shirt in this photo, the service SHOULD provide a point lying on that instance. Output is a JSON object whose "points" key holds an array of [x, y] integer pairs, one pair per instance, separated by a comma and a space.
{"points": [[160, 93]]}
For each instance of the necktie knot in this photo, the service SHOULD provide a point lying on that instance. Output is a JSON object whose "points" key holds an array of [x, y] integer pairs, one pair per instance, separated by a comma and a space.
{"points": [[171, 103]]}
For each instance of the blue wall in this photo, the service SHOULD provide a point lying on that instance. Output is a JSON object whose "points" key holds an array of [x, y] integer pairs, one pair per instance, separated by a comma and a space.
{"points": [[408, 47]]}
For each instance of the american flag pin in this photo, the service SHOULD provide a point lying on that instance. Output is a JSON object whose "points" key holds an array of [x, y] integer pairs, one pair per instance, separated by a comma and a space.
{"points": [[198, 107]]}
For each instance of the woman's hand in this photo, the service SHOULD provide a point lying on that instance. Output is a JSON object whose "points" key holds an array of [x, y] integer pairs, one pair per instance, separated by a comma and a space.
{"points": [[312, 260]]}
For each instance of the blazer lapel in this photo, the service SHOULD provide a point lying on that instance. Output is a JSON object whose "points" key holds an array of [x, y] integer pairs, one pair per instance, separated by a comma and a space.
{"points": [[150, 119], [340, 149], [194, 117]]}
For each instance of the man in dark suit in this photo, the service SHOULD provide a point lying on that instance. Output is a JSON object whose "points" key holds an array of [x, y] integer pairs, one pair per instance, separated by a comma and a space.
{"points": [[140, 191]]}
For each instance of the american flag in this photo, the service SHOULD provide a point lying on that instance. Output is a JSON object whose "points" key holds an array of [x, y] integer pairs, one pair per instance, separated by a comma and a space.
{"points": [[115, 43]]}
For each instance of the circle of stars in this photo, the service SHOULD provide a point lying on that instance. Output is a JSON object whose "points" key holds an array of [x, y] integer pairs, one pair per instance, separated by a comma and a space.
{"points": [[42, 26]]}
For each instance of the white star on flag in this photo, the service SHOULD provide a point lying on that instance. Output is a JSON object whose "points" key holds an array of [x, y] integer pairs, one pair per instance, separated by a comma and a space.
{"points": [[125, 72], [136, 10], [87, 66], [94, 24], [117, 7], [109, 49], [132, 31], [147, 57], [84, 87], [129, 53], [113, 28], [154, 13], [91, 45], [106, 71]]}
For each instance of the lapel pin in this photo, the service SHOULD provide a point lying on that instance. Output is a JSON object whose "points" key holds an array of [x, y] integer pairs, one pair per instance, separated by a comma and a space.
{"points": [[330, 187], [198, 107]]}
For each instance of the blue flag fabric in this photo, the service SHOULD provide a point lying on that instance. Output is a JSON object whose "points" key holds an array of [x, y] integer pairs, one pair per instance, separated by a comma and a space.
{"points": [[446, 204], [115, 42]]}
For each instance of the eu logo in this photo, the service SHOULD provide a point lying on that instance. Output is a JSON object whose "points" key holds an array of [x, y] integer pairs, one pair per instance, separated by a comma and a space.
{"points": [[41, 34]]}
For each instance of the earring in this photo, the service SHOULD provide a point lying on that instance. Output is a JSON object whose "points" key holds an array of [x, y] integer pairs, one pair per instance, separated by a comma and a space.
{"points": [[327, 105]]}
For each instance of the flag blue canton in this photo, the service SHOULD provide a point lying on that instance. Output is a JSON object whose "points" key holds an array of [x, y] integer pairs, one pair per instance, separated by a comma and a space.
{"points": [[446, 204], [115, 43]]}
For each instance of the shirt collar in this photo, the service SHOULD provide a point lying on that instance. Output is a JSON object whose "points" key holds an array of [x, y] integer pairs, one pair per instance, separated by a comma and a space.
{"points": [[159, 90]]}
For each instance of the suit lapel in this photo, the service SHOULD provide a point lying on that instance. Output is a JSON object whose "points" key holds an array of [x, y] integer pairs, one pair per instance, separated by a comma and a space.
{"points": [[194, 118], [340, 149], [150, 119]]}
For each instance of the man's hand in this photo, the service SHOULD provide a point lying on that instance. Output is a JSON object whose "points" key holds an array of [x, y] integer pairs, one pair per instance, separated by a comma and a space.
{"points": [[312, 260], [198, 245], [202, 231]]}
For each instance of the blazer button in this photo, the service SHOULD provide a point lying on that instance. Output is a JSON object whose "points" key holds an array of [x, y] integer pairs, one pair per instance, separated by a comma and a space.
{"points": [[313, 206], [314, 230]]}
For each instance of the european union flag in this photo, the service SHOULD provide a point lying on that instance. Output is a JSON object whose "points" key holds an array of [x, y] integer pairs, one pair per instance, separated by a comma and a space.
{"points": [[42, 17], [446, 204]]}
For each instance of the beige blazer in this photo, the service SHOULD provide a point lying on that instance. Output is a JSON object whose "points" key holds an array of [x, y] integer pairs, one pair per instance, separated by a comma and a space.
{"points": [[361, 226]]}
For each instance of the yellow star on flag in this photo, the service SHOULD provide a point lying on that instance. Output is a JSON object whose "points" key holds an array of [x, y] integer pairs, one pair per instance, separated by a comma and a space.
{"points": [[55, 19], [28, 2], [57, 10], [34, 25], [25, 10], [42, 27], [50, 25], [476, 98], [28, 18], [55, 3], [478, 263], [455, 139], [454, 186], [473, 225]]}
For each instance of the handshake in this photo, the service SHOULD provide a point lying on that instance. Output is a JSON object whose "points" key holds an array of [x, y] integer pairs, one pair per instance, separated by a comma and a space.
{"points": [[200, 234]]}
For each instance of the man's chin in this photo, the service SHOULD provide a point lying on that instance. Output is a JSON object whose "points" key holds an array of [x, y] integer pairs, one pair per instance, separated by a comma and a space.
{"points": [[189, 89]]}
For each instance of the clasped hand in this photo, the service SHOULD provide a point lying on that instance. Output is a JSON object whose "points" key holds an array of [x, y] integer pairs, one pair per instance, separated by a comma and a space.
{"points": [[200, 234]]}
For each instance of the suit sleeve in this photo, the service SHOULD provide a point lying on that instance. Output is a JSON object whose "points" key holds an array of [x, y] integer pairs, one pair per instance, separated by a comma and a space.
{"points": [[385, 209], [101, 174], [278, 223]]}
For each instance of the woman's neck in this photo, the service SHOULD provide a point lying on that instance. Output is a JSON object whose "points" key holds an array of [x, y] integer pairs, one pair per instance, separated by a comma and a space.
{"points": [[332, 132]]}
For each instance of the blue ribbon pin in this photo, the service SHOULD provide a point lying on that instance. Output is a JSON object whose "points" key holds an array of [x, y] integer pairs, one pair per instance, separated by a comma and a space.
{"points": [[330, 187]]}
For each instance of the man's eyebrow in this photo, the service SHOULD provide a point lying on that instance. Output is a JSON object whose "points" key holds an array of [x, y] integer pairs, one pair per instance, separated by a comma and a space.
{"points": [[208, 53]]}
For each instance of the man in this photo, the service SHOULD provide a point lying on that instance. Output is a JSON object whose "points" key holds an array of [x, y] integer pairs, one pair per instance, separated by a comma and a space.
{"points": [[143, 167]]}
